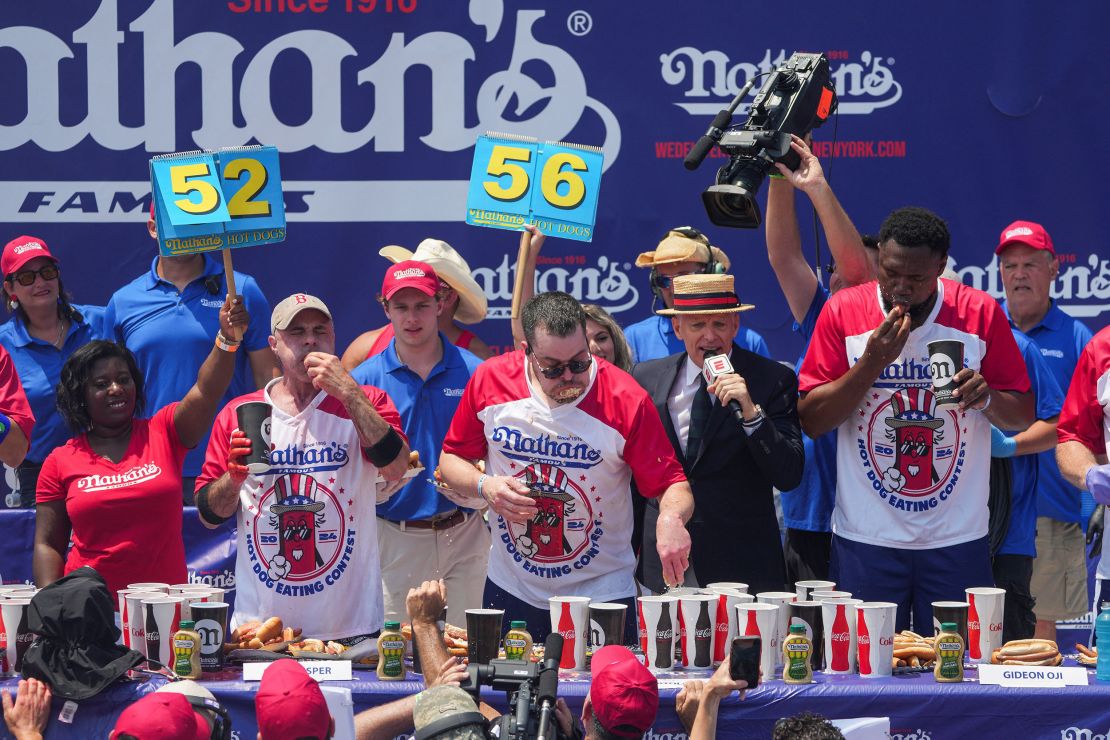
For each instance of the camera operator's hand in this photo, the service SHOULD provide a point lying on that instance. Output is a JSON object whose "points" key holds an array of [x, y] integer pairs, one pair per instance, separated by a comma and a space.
{"points": [[451, 673], [687, 702], [721, 684], [809, 175], [27, 715], [426, 602], [567, 723]]}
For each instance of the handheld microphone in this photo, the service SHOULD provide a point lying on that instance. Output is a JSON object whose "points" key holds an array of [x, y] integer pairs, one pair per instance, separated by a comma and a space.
{"points": [[548, 684], [715, 365]]}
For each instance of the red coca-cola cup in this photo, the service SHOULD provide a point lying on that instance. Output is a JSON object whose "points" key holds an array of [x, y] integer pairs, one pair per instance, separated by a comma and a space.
{"points": [[875, 638], [570, 617], [761, 620], [984, 621], [838, 620], [727, 599]]}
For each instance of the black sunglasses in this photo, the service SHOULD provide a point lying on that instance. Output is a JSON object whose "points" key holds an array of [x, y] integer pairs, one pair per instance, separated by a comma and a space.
{"points": [[575, 366], [27, 277], [665, 281]]}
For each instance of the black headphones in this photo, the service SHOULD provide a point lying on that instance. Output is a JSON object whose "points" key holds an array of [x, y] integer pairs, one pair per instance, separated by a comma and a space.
{"points": [[221, 718], [712, 267], [455, 721]]}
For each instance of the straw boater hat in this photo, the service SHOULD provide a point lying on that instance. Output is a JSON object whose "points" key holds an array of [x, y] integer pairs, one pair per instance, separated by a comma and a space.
{"points": [[678, 247], [703, 294], [450, 266]]}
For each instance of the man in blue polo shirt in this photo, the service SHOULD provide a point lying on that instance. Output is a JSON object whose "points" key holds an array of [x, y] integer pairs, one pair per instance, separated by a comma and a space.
{"points": [[169, 317], [683, 251], [423, 535], [1013, 562], [807, 509], [1027, 262]]}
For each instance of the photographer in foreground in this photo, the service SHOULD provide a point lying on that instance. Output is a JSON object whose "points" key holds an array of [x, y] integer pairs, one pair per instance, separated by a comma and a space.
{"points": [[698, 702]]}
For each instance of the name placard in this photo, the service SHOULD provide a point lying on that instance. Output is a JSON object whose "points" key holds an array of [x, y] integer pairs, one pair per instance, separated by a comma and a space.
{"points": [[516, 180], [1032, 676], [220, 199], [321, 670]]}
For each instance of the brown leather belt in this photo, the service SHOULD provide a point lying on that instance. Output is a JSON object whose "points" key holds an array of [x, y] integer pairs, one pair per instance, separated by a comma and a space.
{"points": [[440, 523]]}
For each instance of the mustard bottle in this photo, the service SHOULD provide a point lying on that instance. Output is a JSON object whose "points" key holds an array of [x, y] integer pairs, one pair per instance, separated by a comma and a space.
{"points": [[950, 655], [518, 642], [391, 653], [186, 651], [796, 651]]}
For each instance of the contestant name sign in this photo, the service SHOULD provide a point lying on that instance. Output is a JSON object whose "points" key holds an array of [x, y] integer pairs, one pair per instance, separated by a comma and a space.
{"points": [[517, 180], [217, 199], [1032, 676], [321, 670]]}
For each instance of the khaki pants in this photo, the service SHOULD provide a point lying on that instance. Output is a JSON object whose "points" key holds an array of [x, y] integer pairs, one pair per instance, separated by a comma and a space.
{"points": [[459, 555]]}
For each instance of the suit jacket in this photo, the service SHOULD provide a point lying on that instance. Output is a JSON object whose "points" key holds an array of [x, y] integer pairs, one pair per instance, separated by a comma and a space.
{"points": [[734, 530]]}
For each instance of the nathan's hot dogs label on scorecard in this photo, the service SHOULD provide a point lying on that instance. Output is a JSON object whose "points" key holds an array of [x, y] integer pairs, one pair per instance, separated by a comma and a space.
{"points": [[217, 200], [516, 181]]}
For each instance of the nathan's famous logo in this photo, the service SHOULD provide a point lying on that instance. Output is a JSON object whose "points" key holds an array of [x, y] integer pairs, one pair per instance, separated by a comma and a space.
{"points": [[571, 452], [133, 477], [1081, 288], [562, 535], [299, 542], [712, 77], [912, 451], [606, 284], [237, 106], [316, 457]]}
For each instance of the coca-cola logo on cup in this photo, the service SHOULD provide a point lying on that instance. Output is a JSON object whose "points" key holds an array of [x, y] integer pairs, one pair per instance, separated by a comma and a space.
{"points": [[664, 634], [886, 640], [864, 640], [844, 636], [996, 627], [702, 634], [567, 634]]}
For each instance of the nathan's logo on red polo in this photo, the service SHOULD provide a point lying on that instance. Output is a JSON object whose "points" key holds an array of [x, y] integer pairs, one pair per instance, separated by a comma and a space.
{"points": [[133, 477]]}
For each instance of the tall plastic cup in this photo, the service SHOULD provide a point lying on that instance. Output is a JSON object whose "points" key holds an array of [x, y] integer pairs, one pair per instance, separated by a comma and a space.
{"points": [[658, 619], [699, 619], [780, 599], [727, 599], [211, 624], [17, 638], [804, 588], [570, 617], [984, 621], [132, 616], [951, 611], [483, 629], [761, 620], [821, 595], [946, 358], [161, 615], [875, 638], [734, 585], [838, 621], [607, 624], [808, 614], [253, 419]]}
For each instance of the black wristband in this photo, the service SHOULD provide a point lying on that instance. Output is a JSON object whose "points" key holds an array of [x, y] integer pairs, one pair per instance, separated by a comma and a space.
{"points": [[386, 449], [205, 510]]}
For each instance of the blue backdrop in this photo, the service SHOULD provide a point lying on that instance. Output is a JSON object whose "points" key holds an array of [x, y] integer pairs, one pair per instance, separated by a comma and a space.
{"points": [[984, 112]]}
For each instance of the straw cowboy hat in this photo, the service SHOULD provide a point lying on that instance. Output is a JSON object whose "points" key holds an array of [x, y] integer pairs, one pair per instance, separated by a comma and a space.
{"points": [[704, 294], [682, 245], [450, 266]]}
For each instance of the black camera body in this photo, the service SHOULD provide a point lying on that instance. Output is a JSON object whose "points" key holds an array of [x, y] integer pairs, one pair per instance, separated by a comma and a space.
{"points": [[530, 688], [796, 98]]}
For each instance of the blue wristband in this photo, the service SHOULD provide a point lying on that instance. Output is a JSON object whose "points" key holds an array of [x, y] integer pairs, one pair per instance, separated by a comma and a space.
{"points": [[5, 427]]}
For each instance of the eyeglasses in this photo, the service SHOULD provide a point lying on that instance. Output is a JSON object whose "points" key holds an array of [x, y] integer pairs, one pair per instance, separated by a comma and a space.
{"points": [[665, 281], [27, 277], [556, 371]]}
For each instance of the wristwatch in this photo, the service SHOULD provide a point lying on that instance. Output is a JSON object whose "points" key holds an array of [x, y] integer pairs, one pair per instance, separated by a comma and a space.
{"points": [[759, 416]]}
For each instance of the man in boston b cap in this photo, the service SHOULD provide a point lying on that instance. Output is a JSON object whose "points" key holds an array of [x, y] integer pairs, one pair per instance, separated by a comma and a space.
{"points": [[737, 436], [683, 251]]}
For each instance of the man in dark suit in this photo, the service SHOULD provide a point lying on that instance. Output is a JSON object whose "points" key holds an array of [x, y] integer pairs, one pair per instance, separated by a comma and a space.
{"points": [[732, 460]]}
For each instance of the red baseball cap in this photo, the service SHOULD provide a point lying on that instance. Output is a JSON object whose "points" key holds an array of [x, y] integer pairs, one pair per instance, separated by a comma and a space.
{"points": [[20, 251], [1027, 233], [410, 274], [289, 704], [162, 716], [624, 694]]}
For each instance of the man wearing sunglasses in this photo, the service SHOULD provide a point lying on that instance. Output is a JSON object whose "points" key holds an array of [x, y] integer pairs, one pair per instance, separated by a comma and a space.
{"points": [[683, 251], [563, 434]]}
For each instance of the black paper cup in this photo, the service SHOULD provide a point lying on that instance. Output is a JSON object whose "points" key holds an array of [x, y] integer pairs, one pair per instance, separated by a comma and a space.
{"points": [[210, 619], [606, 624], [483, 631], [808, 613], [254, 421], [951, 611], [946, 358]]}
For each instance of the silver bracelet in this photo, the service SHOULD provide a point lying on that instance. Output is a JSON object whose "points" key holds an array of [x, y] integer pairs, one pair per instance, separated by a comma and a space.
{"points": [[988, 403], [481, 482]]}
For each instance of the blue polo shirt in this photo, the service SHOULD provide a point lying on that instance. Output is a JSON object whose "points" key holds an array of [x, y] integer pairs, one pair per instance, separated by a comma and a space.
{"points": [[1021, 538], [426, 408], [654, 337], [1061, 340], [39, 365], [171, 334], [809, 506]]}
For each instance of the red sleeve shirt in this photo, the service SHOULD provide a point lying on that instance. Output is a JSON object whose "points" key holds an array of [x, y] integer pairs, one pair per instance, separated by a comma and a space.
{"points": [[13, 401], [125, 516], [1085, 417]]}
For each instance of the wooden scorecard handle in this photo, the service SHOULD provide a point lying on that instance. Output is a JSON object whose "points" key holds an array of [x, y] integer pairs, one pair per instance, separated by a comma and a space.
{"points": [[518, 284]]}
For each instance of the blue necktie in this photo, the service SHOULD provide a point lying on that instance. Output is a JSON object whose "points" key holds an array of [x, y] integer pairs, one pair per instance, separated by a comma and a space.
{"points": [[699, 415]]}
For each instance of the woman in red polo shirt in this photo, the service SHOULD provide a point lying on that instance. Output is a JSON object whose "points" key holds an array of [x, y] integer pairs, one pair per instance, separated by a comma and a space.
{"points": [[116, 486]]}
